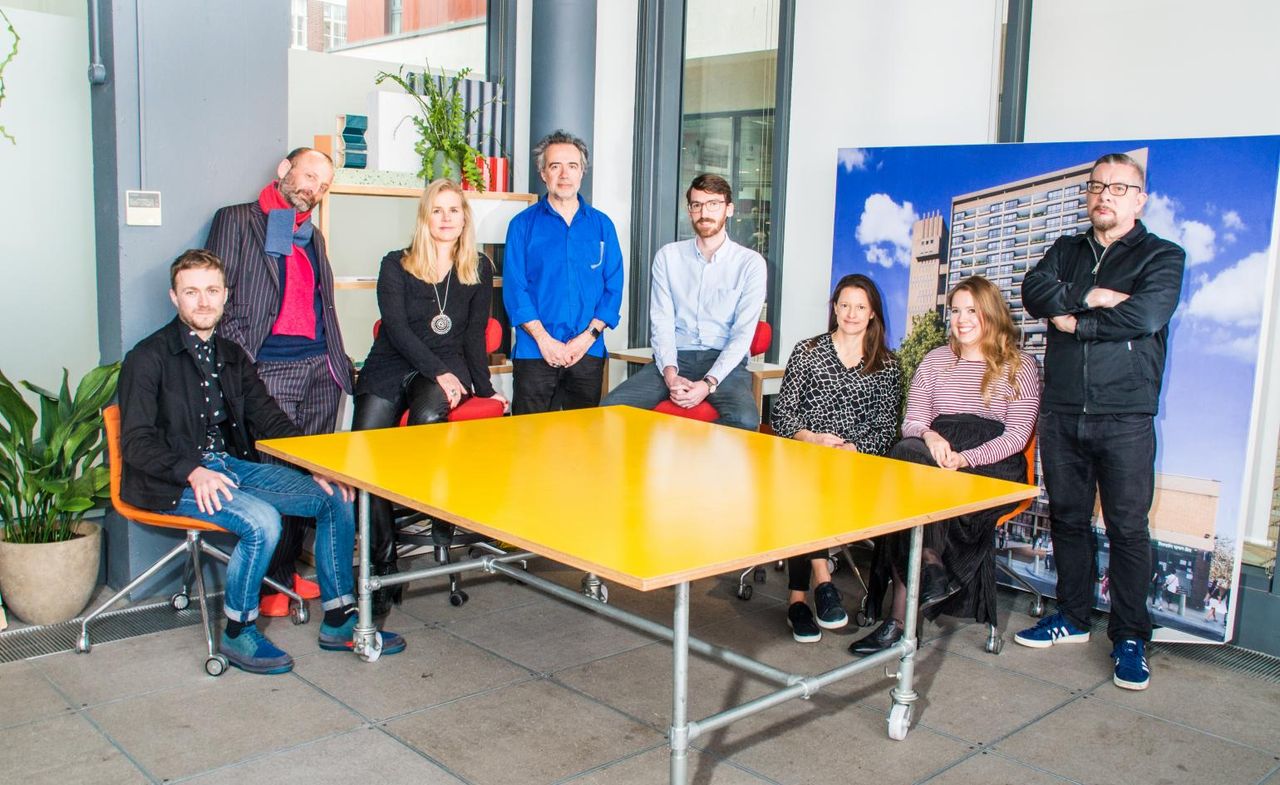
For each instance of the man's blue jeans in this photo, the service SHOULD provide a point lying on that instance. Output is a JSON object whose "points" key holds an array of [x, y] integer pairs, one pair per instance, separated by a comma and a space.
{"points": [[265, 492]]}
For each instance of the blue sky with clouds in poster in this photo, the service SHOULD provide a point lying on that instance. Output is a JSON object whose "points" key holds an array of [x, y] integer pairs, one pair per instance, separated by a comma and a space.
{"points": [[1215, 197]]}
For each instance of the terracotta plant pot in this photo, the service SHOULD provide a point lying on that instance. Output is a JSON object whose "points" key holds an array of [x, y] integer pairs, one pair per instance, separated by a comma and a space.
{"points": [[51, 582]]}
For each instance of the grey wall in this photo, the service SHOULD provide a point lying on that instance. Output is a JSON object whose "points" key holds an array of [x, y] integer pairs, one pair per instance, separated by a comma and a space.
{"points": [[563, 76], [195, 106]]}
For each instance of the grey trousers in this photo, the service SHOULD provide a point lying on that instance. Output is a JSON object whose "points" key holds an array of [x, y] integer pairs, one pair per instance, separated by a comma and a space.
{"points": [[732, 398]]}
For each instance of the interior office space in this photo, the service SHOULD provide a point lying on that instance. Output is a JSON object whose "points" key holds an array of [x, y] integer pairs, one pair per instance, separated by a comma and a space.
{"points": [[201, 98]]}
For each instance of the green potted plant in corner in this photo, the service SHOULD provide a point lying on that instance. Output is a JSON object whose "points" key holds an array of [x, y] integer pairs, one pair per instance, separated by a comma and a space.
{"points": [[50, 476], [442, 145]]}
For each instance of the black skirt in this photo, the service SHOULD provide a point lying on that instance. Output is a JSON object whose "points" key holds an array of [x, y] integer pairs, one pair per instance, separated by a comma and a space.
{"points": [[966, 543]]}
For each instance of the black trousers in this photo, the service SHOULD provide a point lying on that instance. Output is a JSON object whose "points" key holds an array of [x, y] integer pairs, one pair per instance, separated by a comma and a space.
{"points": [[425, 401], [537, 387], [1111, 456]]}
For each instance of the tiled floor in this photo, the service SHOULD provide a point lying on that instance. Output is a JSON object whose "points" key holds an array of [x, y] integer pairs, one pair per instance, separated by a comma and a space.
{"points": [[515, 687]]}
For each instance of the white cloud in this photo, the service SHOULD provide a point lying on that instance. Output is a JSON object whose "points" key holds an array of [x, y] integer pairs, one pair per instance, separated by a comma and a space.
{"points": [[1233, 297], [1197, 237], [853, 158], [1231, 220], [884, 230]]}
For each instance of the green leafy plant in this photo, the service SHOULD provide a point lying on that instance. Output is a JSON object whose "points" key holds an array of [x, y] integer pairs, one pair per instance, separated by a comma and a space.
{"points": [[13, 52], [50, 475], [442, 123]]}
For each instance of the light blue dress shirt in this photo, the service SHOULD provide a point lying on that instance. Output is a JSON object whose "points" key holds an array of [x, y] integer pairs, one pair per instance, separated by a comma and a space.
{"points": [[698, 303]]}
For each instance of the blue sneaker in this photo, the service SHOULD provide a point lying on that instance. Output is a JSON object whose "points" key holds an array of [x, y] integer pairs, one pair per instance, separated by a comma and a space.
{"points": [[1132, 672], [341, 638], [1050, 630], [251, 651]]}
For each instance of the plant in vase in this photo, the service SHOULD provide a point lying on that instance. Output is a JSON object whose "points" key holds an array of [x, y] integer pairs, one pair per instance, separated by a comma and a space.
{"points": [[50, 476], [442, 147]]}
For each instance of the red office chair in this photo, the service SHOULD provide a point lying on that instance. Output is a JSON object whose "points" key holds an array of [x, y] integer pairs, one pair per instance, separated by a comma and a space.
{"points": [[704, 411], [472, 408], [442, 536]]}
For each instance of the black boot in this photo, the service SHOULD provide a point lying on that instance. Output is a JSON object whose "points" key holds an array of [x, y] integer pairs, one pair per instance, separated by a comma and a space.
{"points": [[385, 597], [936, 585], [888, 633]]}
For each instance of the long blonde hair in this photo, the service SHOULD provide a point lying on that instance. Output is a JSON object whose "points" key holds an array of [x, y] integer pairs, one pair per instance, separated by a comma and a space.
{"points": [[420, 256], [999, 343]]}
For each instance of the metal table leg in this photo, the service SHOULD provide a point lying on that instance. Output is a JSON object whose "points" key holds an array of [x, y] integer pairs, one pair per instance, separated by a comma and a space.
{"points": [[367, 641], [679, 733], [904, 695]]}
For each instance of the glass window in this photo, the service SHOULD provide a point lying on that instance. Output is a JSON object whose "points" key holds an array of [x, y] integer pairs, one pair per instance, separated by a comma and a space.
{"points": [[1008, 230], [395, 16], [1055, 193], [993, 232], [1009, 243], [298, 24], [1052, 221], [993, 207], [993, 245], [1055, 208], [726, 124], [335, 25], [955, 217]]}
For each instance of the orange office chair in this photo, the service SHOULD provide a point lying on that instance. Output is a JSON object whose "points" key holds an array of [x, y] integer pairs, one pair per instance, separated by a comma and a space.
{"points": [[442, 536], [995, 641], [193, 546], [704, 411]]}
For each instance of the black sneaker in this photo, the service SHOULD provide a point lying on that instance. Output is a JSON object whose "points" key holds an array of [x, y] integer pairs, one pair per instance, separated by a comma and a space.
{"points": [[803, 628], [888, 633], [831, 615]]}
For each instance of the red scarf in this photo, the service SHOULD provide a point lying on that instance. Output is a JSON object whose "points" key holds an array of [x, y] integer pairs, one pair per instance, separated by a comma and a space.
{"points": [[297, 309]]}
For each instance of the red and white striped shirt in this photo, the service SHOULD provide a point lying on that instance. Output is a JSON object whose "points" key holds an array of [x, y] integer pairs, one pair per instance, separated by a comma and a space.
{"points": [[946, 384]]}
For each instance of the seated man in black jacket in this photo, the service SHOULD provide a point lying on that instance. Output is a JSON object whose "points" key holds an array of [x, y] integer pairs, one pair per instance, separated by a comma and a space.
{"points": [[191, 405]]}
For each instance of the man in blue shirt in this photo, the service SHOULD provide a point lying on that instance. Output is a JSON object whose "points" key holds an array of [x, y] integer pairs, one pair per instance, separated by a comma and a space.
{"points": [[704, 304], [562, 285]]}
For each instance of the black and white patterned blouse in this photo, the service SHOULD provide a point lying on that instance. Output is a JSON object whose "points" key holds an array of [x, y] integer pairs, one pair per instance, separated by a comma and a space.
{"points": [[820, 394]]}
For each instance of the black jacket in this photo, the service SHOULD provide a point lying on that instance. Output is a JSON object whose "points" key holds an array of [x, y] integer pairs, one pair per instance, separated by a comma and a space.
{"points": [[1114, 361], [163, 414]]}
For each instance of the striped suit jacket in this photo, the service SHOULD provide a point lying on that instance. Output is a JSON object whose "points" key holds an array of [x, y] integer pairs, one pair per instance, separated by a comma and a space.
{"points": [[237, 236]]}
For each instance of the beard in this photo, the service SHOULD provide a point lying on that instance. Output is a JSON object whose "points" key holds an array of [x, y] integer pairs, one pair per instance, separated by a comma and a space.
{"points": [[1102, 221], [708, 227], [303, 202]]}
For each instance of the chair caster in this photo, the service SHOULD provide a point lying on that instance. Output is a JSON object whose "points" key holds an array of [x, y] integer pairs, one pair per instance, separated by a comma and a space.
{"points": [[779, 566], [899, 721], [995, 644], [1037, 608], [864, 619], [759, 575], [180, 601], [215, 665], [82, 643], [744, 591], [299, 614], [458, 598]]}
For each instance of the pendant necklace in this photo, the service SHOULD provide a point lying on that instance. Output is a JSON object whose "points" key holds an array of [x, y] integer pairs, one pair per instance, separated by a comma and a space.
{"points": [[441, 323]]}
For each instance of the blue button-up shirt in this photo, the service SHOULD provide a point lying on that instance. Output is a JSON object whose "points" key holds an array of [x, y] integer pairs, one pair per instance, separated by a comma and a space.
{"points": [[698, 303], [561, 274]]}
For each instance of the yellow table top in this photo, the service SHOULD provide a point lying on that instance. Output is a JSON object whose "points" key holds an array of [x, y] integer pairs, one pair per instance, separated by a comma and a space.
{"points": [[643, 499]]}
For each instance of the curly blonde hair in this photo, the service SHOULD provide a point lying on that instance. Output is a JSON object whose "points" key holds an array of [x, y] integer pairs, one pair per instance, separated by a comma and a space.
{"points": [[1000, 338]]}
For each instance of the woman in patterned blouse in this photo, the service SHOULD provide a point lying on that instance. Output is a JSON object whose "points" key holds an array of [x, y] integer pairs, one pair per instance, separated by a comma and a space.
{"points": [[840, 390], [972, 407]]}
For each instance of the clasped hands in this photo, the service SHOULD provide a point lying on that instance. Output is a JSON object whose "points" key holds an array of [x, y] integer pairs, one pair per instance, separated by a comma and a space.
{"points": [[210, 487], [1098, 297], [565, 354], [943, 455], [684, 393]]}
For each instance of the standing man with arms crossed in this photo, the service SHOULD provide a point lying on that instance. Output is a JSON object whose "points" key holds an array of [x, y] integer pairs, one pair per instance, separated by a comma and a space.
{"points": [[703, 308], [562, 286], [281, 313], [1108, 294]]}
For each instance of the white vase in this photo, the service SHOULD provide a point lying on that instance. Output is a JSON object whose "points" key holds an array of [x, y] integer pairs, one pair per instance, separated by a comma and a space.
{"points": [[52, 582]]}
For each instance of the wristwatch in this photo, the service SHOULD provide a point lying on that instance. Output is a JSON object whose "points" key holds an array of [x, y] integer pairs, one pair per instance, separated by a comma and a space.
{"points": [[594, 332], [712, 384]]}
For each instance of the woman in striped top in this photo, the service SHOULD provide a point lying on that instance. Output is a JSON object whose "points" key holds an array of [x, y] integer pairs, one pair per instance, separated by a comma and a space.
{"points": [[972, 407], [841, 390]]}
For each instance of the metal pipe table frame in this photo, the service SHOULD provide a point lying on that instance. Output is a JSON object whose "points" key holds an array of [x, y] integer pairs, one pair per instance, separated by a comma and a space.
{"points": [[685, 433]]}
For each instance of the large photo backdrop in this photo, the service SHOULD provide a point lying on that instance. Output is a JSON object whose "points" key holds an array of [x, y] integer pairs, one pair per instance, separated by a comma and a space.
{"points": [[920, 219]]}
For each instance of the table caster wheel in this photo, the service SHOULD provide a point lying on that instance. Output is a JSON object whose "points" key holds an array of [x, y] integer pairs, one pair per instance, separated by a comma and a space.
{"points": [[180, 601], [458, 598], [299, 614], [1037, 609], [899, 721], [833, 564], [215, 665], [779, 566], [82, 643], [759, 575], [744, 591], [863, 619], [994, 645]]}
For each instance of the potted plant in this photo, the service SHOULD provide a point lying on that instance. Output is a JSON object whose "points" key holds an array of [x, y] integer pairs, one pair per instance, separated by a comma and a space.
{"points": [[50, 476], [442, 123]]}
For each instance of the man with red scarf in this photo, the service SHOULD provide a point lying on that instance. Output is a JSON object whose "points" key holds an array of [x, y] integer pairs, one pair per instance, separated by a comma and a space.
{"points": [[281, 313]]}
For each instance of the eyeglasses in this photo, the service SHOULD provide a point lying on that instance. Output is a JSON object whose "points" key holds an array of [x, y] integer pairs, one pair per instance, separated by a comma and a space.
{"points": [[710, 206], [1116, 189]]}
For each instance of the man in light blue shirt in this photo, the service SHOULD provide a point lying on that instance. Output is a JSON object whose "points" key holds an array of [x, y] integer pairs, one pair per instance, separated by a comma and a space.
{"points": [[704, 303], [562, 286]]}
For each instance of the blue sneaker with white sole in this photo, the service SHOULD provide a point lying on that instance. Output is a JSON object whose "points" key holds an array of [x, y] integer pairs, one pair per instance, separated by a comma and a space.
{"points": [[1050, 630], [1132, 671], [251, 651], [341, 638]]}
